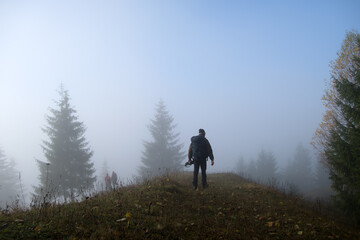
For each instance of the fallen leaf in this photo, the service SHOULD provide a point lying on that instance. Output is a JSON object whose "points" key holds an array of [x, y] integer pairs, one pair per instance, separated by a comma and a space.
{"points": [[128, 215]]}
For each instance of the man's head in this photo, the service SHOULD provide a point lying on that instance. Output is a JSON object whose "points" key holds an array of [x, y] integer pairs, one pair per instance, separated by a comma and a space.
{"points": [[201, 132]]}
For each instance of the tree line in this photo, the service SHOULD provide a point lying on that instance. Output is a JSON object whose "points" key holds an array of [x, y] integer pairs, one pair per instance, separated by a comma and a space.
{"points": [[297, 177], [336, 140]]}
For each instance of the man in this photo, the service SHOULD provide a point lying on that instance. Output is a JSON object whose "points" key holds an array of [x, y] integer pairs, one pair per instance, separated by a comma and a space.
{"points": [[199, 150]]}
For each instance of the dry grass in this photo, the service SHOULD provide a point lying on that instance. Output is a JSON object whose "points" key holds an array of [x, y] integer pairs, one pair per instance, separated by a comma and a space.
{"points": [[168, 208]]}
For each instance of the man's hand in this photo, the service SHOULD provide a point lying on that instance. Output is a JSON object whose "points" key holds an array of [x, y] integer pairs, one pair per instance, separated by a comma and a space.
{"points": [[212, 162], [188, 163]]}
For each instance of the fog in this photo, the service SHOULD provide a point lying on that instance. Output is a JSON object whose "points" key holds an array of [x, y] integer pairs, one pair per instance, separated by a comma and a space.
{"points": [[251, 74]]}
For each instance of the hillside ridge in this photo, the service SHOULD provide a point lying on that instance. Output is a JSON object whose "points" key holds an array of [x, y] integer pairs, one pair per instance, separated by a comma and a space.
{"points": [[168, 208]]}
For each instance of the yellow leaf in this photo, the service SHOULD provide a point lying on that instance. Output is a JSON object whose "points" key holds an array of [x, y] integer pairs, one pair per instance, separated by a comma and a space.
{"points": [[128, 215], [270, 224], [300, 232], [37, 228], [277, 224]]}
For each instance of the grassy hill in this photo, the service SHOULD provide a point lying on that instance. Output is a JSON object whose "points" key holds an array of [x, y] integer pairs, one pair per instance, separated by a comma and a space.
{"points": [[168, 208]]}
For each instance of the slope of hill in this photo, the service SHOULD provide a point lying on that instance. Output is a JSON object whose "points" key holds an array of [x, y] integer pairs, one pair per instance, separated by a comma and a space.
{"points": [[168, 208]]}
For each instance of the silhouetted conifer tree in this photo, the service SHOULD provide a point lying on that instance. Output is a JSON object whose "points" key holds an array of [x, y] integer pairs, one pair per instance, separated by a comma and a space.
{"points": [[298, 171], [266, 167], [337, 139], [9, 186], [68, 171], [343, 146], [163, 154]]}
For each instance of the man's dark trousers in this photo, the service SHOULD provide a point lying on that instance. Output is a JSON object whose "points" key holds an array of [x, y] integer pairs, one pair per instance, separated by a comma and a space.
{"points": [[202, 164]]}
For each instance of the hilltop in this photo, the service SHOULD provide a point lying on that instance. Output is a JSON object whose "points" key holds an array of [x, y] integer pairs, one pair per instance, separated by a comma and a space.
{"points": [[168, 208]]}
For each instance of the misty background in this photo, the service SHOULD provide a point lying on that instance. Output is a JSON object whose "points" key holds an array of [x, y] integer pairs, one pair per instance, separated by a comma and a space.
{"points": [[252, 74]]}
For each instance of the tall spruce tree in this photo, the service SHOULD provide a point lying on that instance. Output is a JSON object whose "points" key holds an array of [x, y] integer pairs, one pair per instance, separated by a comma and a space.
{"points": [[9, 186], [266, 167], [338, 137], [299, 172], [163, 154], [68, 171], [343, 149]]}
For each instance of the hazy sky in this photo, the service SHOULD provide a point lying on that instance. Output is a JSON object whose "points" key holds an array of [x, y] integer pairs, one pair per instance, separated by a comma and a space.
{"points": [[251, 73]]}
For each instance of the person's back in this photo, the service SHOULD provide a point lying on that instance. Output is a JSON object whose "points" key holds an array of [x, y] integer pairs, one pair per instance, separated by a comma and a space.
{"points": [[199, 147], [199, 150]]}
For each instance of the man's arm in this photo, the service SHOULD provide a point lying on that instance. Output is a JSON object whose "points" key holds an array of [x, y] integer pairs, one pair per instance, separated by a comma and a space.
{"points": [[190, 153], [210, 152]]}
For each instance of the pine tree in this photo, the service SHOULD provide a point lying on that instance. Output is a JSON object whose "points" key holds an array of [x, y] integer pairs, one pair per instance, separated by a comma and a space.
{"points": [[299, 172], [343, 149], [164, 154], [68, 171], [337, 138], [9, 187], [339, 69], [266, 166]]}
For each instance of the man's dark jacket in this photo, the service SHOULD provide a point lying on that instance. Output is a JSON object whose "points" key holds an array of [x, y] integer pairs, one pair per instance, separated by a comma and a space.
{"points": [[208, 148]]}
